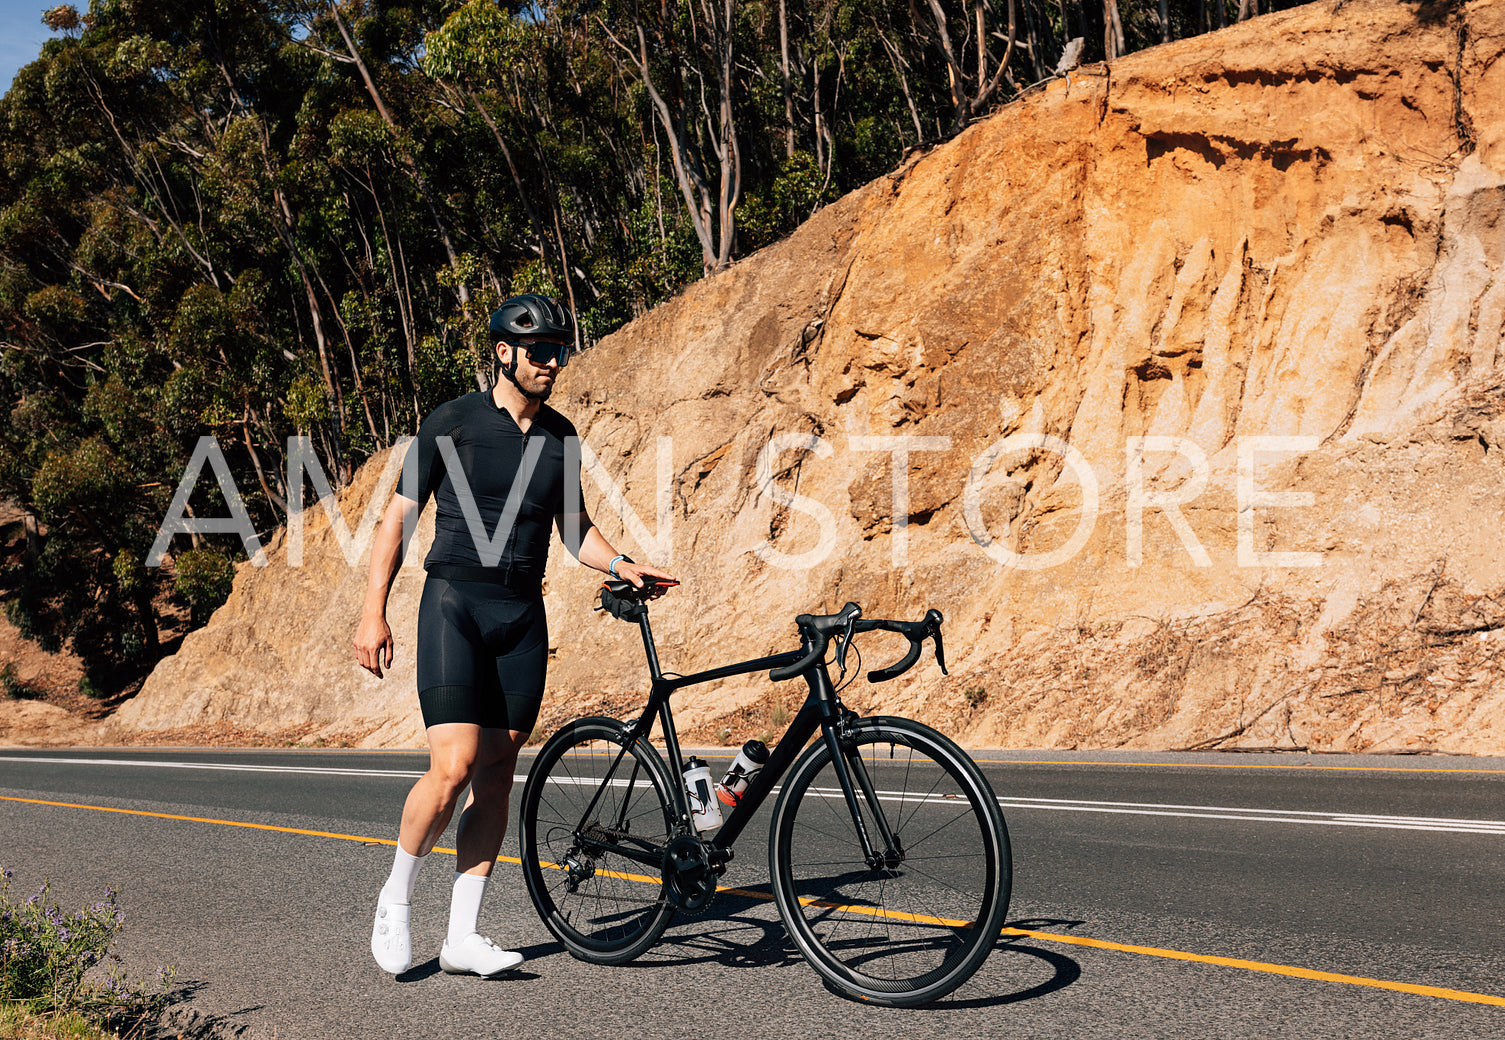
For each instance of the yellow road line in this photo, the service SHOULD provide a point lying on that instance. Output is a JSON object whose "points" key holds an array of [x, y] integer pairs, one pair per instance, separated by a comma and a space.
{"points": [[1261, 966], [1074, 940], [206, 819], [1307, 766]]}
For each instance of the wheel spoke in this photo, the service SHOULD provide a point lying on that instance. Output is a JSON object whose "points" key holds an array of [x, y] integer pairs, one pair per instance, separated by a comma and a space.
{"points": [[591, 896], [913, 929]]}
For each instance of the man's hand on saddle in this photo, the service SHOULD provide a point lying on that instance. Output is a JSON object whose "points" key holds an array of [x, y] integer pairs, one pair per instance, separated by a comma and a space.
{"points": [[637, 573]]}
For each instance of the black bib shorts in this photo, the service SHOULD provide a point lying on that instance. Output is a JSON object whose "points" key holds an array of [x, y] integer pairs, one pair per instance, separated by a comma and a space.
{"points": [[483, 654]]}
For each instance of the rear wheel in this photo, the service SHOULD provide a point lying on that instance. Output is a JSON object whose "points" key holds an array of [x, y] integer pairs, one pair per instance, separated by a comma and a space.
{"points": [[603, 906], [917, 922]]}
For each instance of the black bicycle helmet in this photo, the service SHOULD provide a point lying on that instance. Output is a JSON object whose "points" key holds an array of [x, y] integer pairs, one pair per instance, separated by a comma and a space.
{"points": [[532, 315]]}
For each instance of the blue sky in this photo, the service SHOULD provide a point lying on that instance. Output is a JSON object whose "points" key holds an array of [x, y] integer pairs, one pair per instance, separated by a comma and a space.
{"points": [[22, 35]]}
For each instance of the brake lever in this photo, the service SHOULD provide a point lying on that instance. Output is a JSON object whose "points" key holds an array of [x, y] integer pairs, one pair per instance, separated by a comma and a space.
{"points": [[846, 636], [934, 618]]}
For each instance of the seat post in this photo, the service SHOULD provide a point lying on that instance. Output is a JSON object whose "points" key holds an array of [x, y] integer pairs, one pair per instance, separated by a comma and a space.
{"points": [[648, 648]]}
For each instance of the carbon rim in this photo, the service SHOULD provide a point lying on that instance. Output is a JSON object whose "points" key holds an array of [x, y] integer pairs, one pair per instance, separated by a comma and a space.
{"points": [[907, 932], [603, 906]]}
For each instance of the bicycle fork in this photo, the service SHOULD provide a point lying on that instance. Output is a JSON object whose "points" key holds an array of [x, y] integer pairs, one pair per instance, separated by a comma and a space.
{"points": [[853, 777]]}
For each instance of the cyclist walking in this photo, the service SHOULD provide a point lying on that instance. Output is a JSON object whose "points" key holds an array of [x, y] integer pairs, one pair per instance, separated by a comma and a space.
{"points": [[500, 470]]}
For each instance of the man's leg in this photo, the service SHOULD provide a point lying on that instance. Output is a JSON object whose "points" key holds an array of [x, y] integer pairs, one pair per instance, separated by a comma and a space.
{"points": [[483, 825], [453, 752]]}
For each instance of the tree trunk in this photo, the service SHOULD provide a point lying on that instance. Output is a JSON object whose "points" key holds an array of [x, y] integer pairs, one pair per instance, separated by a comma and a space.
{"points": [[730, 149], [704, 207], [1113, 31], [517, 181], [956, 76], [897, 61], [408, 161], [788, 86], [146, 613]]}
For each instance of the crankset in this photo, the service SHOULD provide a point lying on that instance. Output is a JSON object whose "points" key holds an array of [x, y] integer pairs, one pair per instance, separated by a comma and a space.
{"points": [[689, 874]]}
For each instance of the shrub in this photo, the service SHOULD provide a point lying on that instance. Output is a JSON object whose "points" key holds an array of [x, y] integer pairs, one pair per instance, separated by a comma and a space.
{"points": [[204, 578], [14, 688], [48, 961]]}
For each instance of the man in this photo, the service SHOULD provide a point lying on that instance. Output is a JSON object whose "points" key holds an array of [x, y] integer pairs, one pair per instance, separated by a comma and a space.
{"points": [[496, 465]]}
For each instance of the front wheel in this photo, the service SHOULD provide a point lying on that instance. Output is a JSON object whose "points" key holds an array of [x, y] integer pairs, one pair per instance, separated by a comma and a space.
{"points": [[603, 905], [919, 920]]}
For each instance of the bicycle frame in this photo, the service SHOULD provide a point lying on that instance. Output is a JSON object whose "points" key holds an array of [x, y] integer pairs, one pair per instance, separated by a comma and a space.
{"points": [[822, 710]]}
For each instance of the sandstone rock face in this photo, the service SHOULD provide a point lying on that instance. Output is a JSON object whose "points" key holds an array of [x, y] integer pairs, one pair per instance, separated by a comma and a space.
{"points": [[1177, 386]]}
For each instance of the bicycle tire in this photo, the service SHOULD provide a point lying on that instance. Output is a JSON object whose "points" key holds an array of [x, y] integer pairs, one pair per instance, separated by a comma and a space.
{"points": [[618, 909], [896, 935]]}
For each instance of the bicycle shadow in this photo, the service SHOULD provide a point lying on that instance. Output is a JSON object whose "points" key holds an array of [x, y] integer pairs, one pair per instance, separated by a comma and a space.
{"points": [[727, 933], [731, 935]]}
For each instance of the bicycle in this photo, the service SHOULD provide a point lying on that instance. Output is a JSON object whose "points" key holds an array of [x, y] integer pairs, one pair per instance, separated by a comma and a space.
{"points": [[888, 852]]}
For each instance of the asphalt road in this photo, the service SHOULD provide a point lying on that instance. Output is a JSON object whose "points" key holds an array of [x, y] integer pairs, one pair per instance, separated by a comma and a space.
{"points": [[1154, 896]]}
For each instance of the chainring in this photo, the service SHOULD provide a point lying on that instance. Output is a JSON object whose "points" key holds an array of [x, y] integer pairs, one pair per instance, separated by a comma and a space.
{"points": [[689, 880]]}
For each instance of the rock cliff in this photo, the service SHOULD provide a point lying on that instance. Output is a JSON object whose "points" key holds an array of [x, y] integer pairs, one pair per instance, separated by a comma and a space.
{"points": [[1177, 385]]}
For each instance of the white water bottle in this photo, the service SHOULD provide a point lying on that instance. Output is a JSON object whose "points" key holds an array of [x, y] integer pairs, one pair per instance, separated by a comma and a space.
{"points": [[743, 768], [704, 810]]}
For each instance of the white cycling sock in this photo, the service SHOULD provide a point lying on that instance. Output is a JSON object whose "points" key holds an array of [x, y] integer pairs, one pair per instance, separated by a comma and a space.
{"points": [[399, 886], [465, 905]]}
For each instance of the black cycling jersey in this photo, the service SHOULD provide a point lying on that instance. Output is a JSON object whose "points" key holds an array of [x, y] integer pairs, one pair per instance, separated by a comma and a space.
{"points": [[517, 483]]}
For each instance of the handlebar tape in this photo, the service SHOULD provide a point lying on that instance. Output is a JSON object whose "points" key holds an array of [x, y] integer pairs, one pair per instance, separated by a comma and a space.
{"points": [[819, 628]]}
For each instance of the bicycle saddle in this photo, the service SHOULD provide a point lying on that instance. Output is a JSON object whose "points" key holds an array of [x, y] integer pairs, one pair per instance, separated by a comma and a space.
{"points": [[622, 599]]}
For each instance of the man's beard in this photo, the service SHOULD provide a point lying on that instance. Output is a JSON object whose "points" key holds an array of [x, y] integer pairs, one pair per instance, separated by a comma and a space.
{"points": [[532, 395]]}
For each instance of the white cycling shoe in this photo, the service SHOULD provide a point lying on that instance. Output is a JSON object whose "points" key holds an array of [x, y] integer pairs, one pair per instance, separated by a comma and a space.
{"points": [[476, 955], [390, 943]]}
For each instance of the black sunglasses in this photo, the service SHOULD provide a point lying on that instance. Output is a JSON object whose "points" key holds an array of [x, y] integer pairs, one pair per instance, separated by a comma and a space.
{"points": [[541, 352]]}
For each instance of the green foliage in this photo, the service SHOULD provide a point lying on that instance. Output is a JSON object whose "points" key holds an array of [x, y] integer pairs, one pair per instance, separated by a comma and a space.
{"points": [[78, 484], [788, 202], [50, 957], [14, 688], [306, 403], [204, 577], [478, 43]]}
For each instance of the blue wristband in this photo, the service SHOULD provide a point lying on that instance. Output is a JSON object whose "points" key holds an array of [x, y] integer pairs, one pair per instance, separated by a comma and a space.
{"points": [[611, 568]]}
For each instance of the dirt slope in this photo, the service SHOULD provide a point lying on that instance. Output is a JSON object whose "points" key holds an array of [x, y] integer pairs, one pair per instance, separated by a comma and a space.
{"points": [[1274, 251]]}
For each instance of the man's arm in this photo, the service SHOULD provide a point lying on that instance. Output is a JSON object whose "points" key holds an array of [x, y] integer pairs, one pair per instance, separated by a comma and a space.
{"points": [[373, 637], [595, 551]]}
